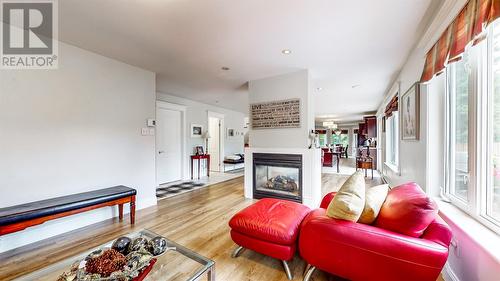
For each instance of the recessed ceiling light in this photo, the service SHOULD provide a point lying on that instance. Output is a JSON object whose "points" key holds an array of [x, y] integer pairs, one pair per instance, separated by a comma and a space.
{"points": [[319, 88], [355, 86], [225, 68], [286, 51]]}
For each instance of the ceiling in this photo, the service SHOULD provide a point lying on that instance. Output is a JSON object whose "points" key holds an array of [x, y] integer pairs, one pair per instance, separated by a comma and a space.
{"points": [[187, 42]]}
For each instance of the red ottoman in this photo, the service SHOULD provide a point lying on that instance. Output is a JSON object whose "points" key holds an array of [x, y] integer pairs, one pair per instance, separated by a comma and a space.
{"points": [[270, 227]]}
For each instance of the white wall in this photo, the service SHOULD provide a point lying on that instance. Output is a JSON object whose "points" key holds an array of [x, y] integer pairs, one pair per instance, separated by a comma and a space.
{"points": [[283, 87], [197, 113], [435, 134], [412, 164], [72, 130]]}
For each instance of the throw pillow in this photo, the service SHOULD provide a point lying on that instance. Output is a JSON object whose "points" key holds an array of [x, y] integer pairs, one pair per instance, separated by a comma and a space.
{"points": [[375, 197], [407, 210], [349, 201]]}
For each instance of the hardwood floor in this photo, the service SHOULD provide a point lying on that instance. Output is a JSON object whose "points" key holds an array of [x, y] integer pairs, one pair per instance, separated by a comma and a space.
{"points": [[197, 220]]}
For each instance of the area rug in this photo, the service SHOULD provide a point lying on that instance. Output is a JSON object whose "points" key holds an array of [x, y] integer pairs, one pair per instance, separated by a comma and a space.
{"points": [[177, 188]]}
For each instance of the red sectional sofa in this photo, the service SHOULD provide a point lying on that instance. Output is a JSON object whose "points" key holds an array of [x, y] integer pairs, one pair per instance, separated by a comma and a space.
{"points": [[369, 252], [408, 241]]}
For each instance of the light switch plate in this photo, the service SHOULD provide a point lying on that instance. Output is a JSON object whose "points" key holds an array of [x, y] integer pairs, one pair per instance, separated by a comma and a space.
{"points": [[144, 131], [151, 131]]}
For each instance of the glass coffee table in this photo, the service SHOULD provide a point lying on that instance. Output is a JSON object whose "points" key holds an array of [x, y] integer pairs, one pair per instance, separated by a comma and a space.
{"points": [[177, 263]]}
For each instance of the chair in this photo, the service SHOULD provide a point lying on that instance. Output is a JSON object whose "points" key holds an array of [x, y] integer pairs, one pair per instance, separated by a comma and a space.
{"points": [[358, 251], [344, 151]]}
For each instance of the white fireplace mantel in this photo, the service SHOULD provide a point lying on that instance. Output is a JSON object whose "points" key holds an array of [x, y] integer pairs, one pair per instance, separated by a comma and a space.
{"points": [[311, 172]]}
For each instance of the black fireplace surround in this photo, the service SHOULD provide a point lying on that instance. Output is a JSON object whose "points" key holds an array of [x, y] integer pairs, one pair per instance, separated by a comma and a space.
{"points": [[277, 176]]}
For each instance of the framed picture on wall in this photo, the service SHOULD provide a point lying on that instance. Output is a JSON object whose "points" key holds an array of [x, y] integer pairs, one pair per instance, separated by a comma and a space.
{"points": [[410, 113], [199, 150], [230, 133], [196, 130]]}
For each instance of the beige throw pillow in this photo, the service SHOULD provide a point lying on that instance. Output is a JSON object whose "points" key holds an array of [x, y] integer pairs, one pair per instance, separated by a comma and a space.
{"points": [[375, 197], [349, 202]]}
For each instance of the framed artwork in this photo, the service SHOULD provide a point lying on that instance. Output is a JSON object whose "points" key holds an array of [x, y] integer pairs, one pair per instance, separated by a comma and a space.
{"points": [[196, 130], [199, 150], [230, 133], [410, 113]]}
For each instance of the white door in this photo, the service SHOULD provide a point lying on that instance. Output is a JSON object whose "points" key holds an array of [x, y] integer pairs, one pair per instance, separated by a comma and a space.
{"points": [[168, 145], [214, 143]]}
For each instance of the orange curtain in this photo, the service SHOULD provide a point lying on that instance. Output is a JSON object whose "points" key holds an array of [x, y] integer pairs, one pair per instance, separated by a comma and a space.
{"points": [[481, 16], [429, 65], [462, 31], [442, 51], [468, 26], [391, 106], [494, 11]]}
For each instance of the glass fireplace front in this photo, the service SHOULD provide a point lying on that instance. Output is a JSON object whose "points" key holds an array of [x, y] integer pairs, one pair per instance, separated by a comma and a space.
{"points": [[277, 176]]}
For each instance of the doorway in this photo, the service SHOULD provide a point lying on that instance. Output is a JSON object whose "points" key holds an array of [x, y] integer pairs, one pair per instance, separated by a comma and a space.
{"points": [[169, 142], [216, 140]]}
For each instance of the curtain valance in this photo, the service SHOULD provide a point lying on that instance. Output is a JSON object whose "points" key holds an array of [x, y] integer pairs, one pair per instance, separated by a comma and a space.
{"points": [[391, 106], [467, 27]]}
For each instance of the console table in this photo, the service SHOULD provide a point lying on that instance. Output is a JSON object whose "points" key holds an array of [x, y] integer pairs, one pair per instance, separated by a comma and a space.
{"points": [[199, 158], [365, 163]]}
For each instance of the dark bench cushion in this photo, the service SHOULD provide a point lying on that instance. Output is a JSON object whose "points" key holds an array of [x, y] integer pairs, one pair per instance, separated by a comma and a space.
{"points": [[230, 161], [62, 204]]}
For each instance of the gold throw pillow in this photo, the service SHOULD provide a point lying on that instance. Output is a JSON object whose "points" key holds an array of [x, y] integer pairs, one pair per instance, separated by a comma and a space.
{"points": [[375, 197], [349, 202]]}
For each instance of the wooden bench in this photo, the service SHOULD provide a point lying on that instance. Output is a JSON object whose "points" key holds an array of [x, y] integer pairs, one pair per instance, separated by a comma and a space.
{"points": [[19, 217]]}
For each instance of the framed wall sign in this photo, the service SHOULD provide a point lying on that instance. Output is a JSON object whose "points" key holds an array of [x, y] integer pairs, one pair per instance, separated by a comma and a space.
{"points": [[275, 114]]}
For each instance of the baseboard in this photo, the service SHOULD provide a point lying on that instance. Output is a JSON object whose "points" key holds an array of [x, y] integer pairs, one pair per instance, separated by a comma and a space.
{"points": [[146, 202], [448, 274]]}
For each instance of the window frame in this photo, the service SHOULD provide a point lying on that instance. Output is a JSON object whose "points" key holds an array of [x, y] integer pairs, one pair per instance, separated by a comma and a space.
{"points": [[486, 122], [468, 204]]}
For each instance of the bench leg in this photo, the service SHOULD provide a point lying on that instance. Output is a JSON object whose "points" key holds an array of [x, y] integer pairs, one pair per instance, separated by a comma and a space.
{"points": [[287, 270], [132, 210], [120, 211]]}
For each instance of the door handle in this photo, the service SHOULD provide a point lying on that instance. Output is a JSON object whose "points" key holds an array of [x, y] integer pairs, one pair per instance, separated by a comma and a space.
{"points": [[161, 151]]}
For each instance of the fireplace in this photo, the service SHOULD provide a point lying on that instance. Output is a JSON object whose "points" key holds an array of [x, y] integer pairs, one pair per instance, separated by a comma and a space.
{"points": [[277, 176]]}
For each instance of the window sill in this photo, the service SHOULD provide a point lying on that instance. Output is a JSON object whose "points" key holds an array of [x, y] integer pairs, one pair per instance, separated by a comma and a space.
{"points": [[487, 239], [393, 167]]}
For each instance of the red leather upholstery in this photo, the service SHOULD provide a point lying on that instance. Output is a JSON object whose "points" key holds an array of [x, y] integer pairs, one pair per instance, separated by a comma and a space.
{"points": [[407, 210], [272, 220], [366, 252], [277, 251], [327, 199], [270, 226]]}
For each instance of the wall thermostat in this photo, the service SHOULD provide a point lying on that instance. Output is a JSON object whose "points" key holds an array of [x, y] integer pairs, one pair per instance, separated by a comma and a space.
{"points": [[151, 122]]}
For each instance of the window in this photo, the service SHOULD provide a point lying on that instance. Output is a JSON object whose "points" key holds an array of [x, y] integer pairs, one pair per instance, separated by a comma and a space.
{"points": [[392, 140], [458, 108], [342, 139], [322, 140], [473, 130]]}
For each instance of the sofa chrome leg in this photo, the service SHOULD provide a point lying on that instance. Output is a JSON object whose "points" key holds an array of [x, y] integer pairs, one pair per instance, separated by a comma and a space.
{"points": [[287, 270], [308, 266], [309, 273], [237, 252]]}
